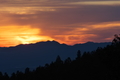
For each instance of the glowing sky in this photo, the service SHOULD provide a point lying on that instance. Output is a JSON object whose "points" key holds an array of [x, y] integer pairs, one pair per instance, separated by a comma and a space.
{"points": [[66, 21]]}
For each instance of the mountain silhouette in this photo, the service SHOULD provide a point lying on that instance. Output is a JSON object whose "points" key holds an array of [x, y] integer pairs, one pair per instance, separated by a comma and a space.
{"points": [[38, 54]]}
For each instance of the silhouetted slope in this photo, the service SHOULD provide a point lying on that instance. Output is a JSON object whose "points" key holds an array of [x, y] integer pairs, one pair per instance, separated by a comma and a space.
{"points": [[33, 55], [100, 64]]}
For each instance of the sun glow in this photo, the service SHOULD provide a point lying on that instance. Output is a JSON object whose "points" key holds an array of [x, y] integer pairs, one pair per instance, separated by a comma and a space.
{"points": [[15, 35]]}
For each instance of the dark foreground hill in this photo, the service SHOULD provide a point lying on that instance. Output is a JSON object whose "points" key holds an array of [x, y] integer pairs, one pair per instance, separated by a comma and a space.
{"points": [[33, 55], [100, 64]]}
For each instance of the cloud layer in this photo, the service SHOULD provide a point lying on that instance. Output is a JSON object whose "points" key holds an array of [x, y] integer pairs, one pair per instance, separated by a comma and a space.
{"points": [[66, 21]]}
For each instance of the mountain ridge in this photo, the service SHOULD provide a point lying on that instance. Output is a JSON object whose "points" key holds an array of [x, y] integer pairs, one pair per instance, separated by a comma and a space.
{"points": [[47, 42], [34, 55]]}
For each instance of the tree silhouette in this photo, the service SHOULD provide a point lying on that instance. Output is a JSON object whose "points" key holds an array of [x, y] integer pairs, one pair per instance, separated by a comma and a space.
{"points": [[68, 61], [58, 60], [116, 39], [6, 77], [78, 55], [1, 76], [27, 70], [13, 76]]}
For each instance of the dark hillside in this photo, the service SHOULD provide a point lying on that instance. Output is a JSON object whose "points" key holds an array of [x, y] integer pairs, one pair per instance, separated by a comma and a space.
{"points": [[33, 55], [101, 64]]}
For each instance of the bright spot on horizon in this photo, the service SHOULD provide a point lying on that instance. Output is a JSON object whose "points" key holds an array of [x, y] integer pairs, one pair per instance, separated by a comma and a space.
{"points": [[15, 35]]}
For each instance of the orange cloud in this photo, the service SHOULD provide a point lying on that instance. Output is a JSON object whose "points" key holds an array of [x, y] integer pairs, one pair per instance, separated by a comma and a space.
{"points": [[96, 3], [25, 10], [106, 25], [15, 35], [72, 39], [81, 33]]}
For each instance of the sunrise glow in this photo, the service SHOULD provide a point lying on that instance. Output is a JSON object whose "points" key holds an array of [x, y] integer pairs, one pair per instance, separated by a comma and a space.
{"points": [[15, 35], [65, 21]]}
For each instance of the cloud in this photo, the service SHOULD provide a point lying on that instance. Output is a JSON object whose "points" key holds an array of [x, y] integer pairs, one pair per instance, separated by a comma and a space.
{"points": [[95, 3], [52, 2], [65, 23], [96, 32]]}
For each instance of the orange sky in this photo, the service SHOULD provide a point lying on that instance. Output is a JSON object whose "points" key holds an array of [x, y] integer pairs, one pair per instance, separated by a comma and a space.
{"points": [[14, 35], [68, 22]]}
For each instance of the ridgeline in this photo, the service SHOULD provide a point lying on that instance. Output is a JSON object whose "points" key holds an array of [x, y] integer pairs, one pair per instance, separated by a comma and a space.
{"points": [[101, 64]]}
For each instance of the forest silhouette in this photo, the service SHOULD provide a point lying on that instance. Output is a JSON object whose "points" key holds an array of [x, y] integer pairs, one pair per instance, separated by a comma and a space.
{"points": [[100, 64]]}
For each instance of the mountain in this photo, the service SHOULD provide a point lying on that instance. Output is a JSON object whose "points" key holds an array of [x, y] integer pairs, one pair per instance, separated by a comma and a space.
{"points": [[34, 55]]}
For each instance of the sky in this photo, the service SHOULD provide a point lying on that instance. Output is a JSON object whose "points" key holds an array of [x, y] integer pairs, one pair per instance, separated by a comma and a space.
{"points": [[66, 21]]}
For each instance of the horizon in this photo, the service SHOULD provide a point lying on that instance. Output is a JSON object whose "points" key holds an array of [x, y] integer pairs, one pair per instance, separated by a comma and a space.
{"points": [[53, 41], [69, 22]]}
